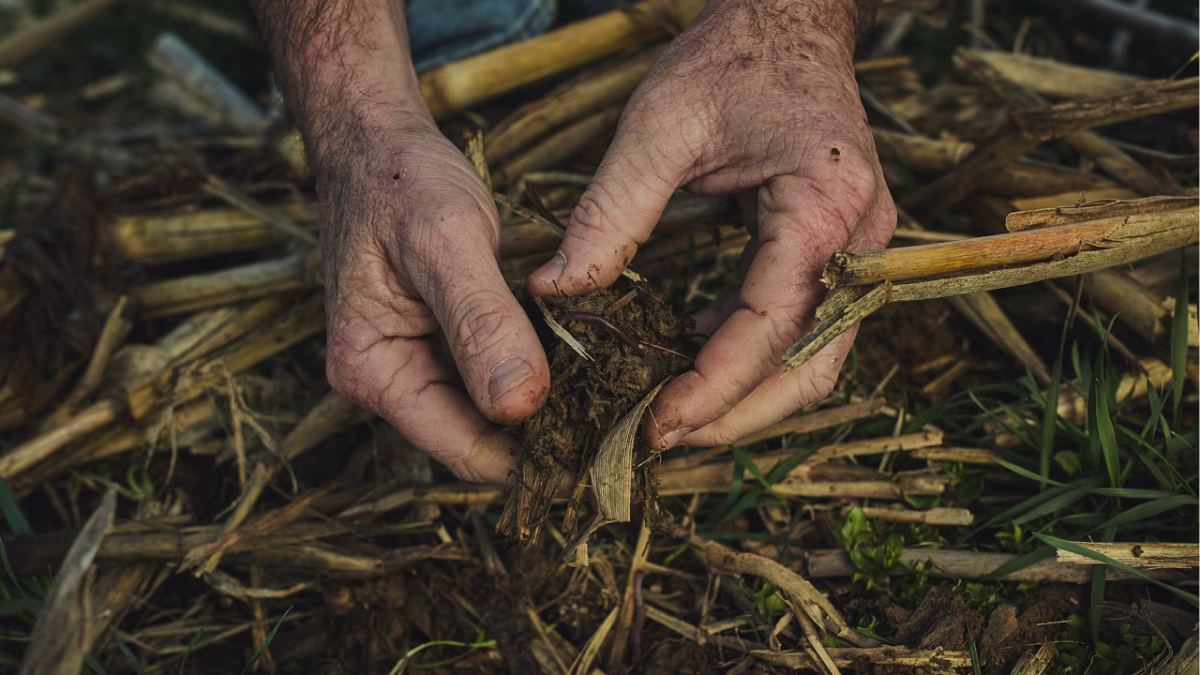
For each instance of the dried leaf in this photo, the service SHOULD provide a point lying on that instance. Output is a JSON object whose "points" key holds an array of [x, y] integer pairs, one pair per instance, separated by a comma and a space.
{"points": [[612, 472], [562, 332]]}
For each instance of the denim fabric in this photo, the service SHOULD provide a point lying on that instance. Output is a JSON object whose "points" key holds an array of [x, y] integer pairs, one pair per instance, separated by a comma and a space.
{"points": [[444, 30]]}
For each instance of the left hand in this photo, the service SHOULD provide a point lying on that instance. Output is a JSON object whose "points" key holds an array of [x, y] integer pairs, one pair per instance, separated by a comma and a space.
{"points": [[756, 94]]}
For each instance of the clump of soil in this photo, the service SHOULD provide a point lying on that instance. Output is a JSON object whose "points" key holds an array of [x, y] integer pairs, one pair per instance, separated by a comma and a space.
{"points": [[635, 343]]}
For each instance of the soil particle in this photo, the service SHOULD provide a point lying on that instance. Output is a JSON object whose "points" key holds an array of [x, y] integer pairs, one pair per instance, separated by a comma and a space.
{"points": [[1002, 625], [941, 620], [634, 343]]}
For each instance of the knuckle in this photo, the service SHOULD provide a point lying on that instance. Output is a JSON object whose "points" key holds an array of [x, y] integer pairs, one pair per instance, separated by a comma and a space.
{"points": [[481, 325], [817, 383]]}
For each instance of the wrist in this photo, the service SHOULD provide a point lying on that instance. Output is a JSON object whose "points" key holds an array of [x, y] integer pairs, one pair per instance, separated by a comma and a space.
{"points": [[844, 23]]}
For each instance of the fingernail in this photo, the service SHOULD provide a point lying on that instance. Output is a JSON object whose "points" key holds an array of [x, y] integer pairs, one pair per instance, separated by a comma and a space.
{"points": [[506, 376], [552, 270], [672, 438]]}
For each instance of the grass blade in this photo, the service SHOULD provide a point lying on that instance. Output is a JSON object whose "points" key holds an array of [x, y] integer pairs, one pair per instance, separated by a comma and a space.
{"points": [[1179, 338], [266, 642], [129, 657], [91, 662], [190, 647], [1020, 562], [1149, 510], [17, 522]]}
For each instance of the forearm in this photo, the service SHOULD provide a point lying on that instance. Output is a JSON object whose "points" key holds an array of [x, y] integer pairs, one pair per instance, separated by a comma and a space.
{"points": [[344, 66]]}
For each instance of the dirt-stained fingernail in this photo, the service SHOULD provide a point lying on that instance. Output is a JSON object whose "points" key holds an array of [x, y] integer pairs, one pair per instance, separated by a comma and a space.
{"points": [[553, 269], [507, 376], [672, 438]]}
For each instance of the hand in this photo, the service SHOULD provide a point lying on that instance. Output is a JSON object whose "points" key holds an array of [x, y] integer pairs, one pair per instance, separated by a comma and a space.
{"points": [[757, 94], [410, 236]]}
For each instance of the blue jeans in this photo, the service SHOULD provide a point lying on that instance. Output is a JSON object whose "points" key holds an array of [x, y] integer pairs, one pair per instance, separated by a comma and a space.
{"points": [[446, 30]]}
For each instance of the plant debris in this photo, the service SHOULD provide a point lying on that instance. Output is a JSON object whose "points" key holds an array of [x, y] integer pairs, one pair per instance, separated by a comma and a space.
{"points": [[621, 344]]}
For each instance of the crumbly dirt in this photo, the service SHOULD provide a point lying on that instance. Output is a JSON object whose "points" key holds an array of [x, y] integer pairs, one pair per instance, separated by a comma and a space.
{"points": [[634, 342]]}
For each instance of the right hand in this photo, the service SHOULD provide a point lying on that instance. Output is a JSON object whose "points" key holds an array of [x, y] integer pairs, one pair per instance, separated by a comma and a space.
{"points": [[410, 233]]}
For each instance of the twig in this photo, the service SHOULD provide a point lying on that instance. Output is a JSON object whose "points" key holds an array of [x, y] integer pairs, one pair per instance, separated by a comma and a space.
{"points": [[40, 34], [1154, 25], [1148, 555], [461, 84], [222, 190], [61, 638]]}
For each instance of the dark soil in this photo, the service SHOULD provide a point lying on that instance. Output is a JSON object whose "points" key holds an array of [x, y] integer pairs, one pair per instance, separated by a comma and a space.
{"points": [[635, 343]]}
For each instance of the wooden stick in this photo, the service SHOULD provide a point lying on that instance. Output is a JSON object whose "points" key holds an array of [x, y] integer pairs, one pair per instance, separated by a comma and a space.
{"points": [[559, 146], [982, 310], [60, 638], [569, 101], [820, 479], [1148, 98], [1054, 78], [973, 565], [1118, 164], [938, 515], [802, 596], [1126, 239], [219, 188], [160, 238], [459, 85], [201, 291], [1024, 178], [91, 419], [1150, 555], [37, 35], [116, 327], [195, 86], [1071, 246], [1136, 306], [1155, 25], [891, 658]]}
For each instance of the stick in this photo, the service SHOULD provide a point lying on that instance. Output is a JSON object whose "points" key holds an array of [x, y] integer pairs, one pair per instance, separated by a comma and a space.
{"points": [[61, 638], [806, 480], [1149, 98], [802, 596], [559, 146], [1104, 243], [205, 89], [1150, 555], [974, 565], [219, 188], [459, 85], [202, 291], [116, 327], [40, 34], [160, 238], [1072, 246], [1155, 25], [91, 419], [1031, 122], [1054, 78], [569, 101]]}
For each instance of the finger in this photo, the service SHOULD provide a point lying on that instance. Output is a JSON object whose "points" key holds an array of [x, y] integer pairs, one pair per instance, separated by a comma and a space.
{"points": [[490, 336], [617, 212], [402, 381], [800, 226], [778, 396]]}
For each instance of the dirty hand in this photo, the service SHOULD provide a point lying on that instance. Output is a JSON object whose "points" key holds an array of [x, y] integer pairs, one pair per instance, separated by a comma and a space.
{"points": [[409, 237], [755, 95]]}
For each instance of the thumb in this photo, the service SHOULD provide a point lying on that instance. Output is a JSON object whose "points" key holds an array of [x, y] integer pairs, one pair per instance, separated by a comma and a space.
{"points": [[492, 341], [616, 213]]}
